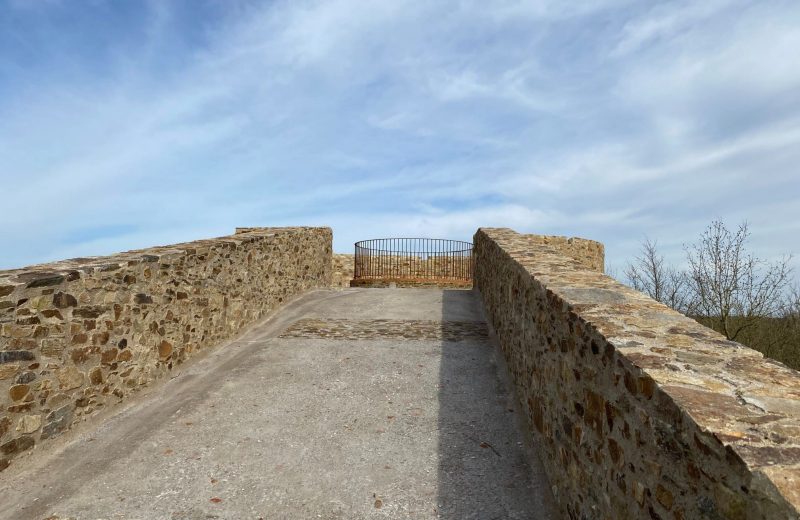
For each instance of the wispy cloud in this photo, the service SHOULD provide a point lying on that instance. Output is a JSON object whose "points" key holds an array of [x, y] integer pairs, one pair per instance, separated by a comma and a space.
{"points": [[611, 119]]}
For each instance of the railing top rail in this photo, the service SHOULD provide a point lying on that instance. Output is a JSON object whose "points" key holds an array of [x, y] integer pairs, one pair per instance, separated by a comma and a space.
{"points": [[399, 244]]}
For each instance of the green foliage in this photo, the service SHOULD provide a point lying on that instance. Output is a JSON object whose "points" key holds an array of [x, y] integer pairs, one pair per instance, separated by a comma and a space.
{"points": [[777, 338]]}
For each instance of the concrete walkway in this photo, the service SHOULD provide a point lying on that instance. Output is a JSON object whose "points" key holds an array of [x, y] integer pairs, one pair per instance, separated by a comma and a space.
{"points": [[361, 403]]}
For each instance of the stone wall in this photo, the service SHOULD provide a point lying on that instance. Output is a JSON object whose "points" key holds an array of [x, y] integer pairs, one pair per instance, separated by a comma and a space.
{"points": [[588, 253], [342, 270], [640, 412], [81, 335]]}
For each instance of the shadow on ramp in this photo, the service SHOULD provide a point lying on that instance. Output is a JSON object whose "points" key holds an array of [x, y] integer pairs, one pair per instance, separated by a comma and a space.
{"points": [[486, 467]]}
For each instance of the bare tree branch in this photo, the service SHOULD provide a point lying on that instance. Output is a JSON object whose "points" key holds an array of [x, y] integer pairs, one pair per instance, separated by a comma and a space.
{"points": [[649, 275], [730, 287]]}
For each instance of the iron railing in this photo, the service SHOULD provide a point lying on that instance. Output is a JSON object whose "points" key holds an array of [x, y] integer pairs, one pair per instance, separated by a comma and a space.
{"points": [[413, 259]]}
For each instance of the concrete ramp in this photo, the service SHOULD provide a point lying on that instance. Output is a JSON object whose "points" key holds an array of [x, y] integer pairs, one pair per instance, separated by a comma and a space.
{"points": [[361, 403]]}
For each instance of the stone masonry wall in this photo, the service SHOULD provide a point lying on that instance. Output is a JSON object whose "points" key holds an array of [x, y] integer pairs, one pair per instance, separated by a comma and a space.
{"points": [[81, 335], [343, 267], [640, 411], [588, 253]]}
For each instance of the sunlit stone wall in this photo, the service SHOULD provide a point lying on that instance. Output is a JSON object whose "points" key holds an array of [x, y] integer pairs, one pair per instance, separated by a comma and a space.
{"points": [[640, 412], [81, 335]]}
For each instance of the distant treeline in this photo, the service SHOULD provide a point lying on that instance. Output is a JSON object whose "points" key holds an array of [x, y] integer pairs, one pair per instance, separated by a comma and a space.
{"points": [[728, 289]]}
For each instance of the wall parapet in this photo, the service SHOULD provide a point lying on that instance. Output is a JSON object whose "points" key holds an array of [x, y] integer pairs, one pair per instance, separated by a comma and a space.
{"points": [[81, 335], [640, 411]]}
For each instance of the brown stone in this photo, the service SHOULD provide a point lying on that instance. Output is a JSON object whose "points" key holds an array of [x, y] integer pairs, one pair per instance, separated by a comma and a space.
{"points": [[5, 425], [108, 356], [69, 377], [8, 371], [79, 355], [664, 497], [53, 348], [164, 350], [18, 445], [19, 408], [52, 314], [90, 312], [79, 339], [63, 300], [616, 453], [18, 392], [124, 355], [31, 320], [142, 299], [5, 290], [595, 411], [96, 376]]}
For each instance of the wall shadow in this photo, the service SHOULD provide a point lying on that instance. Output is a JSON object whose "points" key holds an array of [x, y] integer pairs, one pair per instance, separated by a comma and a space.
{"points": [[487, 467]]}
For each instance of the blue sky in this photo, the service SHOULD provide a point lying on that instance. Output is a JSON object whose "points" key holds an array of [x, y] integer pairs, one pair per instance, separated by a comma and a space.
{"points": [[131, 124]]}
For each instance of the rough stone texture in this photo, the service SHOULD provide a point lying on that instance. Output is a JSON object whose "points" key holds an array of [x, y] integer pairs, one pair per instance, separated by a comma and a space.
{"points": [[413, 271], [311, 427], [79, 335], [588, 253], [640, 412], [343, 266], [385, 328]]}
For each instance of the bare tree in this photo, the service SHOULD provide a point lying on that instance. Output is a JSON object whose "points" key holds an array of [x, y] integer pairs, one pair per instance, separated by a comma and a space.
{"points": [[731, 288], [648, 274]]}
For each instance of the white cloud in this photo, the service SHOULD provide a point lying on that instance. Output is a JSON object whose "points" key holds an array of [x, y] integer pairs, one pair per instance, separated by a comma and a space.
{"points": [[604, 119]]}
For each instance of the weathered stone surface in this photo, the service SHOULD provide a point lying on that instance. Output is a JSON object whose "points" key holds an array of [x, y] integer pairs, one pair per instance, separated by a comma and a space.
{"points": [[384, 328], [5, 425], [96, 376], [88, 312], [94, 312], [69, 377], [57, 421], [29, 423], [142, 299], [18, 392], [62, 300], [643, 412], [44, 280], [8, 371], [18, 445], [108, 356], [164, 349], [26, 377], [7, 356], [343, 270]]}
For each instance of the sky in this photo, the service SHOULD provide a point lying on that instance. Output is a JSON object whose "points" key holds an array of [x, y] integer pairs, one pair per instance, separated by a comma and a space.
{"points": [[131, 124]]}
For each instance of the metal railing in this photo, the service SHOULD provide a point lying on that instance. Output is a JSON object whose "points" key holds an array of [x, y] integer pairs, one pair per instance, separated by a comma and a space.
{"points": [[413, 259]]}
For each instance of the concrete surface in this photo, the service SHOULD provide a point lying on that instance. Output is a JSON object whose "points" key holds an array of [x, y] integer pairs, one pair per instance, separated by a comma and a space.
{"points": [[392, 425]]}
